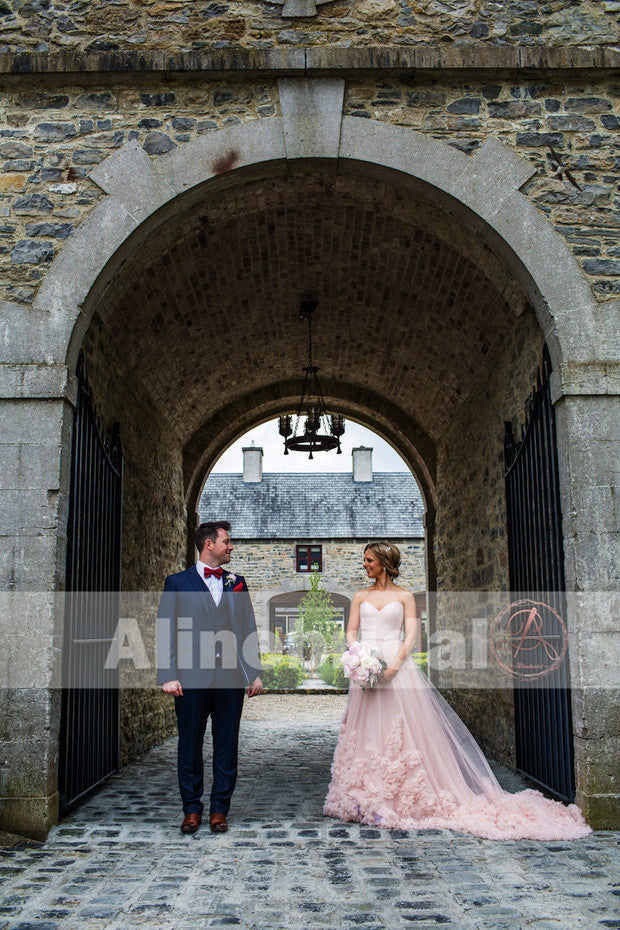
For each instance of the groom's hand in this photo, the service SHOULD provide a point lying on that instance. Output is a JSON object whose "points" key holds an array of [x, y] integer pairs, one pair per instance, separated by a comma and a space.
{"points": [[173, 687], [255, 688]]}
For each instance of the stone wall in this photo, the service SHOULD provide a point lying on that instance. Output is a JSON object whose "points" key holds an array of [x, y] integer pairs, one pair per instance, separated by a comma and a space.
{"points": [[154, 519], [578, 119], [471, 549], [51, 138], [49, 141], [270, 568], [141, 25], [82, 79]]}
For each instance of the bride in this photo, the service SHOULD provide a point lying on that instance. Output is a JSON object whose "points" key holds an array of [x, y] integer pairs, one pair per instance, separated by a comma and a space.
{"points": [[404, 759]]}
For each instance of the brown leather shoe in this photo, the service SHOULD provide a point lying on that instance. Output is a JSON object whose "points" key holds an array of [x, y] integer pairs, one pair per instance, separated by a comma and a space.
{"points": [[218, 823], [191, 822]]}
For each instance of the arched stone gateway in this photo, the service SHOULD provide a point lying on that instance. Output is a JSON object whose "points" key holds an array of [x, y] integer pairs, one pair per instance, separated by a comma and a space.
{"points": [[438, 283]]}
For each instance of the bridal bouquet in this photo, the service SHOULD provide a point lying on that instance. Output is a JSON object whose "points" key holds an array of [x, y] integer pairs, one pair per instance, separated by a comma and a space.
{"points": [[363, 664]]}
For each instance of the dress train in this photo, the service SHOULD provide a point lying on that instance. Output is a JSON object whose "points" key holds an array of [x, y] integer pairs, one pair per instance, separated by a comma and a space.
{"points": [[405, 760]]}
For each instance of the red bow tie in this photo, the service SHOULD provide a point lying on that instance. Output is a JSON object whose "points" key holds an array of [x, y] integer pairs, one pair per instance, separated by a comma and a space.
{"points": [[218, 572]]}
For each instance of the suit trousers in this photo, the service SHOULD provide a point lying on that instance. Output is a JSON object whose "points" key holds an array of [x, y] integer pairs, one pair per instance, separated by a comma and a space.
{"points": [[224, 706]]}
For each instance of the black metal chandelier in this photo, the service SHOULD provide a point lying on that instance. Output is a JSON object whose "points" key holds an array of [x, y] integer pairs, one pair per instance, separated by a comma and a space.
{"points": [[312, 407]]}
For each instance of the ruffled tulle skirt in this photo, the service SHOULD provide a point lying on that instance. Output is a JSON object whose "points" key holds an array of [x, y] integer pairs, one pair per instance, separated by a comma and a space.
{"points": [[405, 760]]}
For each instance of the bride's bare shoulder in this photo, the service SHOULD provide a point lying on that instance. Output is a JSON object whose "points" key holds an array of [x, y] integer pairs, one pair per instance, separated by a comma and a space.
{"points": [[362, 594]]}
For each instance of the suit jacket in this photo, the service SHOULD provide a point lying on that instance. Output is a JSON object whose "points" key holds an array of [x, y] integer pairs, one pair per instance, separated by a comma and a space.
{"points": [[203, 645]]}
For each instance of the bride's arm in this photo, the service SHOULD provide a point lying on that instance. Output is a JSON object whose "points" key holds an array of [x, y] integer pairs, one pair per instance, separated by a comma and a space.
{"points": [[354, 619], [411, 633]]}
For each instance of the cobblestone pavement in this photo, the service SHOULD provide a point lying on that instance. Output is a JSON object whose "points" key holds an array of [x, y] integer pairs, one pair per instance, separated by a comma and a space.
{"points": [[119, 861]]}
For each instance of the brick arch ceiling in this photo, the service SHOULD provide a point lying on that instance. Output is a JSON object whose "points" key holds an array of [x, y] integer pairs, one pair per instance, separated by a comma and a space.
{"points": [[410, 303]]}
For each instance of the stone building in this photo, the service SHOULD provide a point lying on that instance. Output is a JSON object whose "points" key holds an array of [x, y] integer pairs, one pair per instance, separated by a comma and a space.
{"points": [[287, 526], [176, 174]]}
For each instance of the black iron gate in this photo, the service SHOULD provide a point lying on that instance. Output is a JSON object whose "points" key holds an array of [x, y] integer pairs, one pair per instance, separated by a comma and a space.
{"points": [[89, 736], [544, 739]]}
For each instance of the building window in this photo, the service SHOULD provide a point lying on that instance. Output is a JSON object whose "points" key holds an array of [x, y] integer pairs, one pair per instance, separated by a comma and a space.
{"points": [[309, 559]]}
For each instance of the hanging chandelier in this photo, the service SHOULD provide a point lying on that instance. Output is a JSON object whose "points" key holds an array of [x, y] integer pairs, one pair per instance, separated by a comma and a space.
{"points": [[312, 407]]}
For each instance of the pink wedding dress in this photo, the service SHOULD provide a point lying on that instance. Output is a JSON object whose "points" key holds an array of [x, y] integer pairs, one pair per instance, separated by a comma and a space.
{"points": [[404, 759]]}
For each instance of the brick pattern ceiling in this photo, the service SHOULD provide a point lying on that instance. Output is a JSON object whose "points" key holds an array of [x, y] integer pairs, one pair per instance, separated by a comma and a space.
{"points": [[411, 304]]}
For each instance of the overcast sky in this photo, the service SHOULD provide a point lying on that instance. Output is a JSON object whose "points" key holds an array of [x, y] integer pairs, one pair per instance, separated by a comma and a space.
{"points": [[384, 457]]}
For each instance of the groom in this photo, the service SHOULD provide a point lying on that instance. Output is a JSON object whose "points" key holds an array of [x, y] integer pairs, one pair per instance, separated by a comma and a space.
{"points": [[208, 655]]}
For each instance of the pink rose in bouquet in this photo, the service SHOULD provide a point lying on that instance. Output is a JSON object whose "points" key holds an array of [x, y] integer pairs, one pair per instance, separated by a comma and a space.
{"points": [[363, 664]]}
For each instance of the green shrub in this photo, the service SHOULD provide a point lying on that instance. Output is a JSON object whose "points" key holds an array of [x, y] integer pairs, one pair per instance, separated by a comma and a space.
{"points": [[421, 660], [326, 670], [280, 671], [288, 673], [270, 662], [340, 680]]}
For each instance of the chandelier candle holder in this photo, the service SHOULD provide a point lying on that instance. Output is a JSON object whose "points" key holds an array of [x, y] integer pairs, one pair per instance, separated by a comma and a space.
{"points": [[311, 408]]}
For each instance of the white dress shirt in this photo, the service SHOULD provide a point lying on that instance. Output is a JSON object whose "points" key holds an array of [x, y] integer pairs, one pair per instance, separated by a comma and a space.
{"points": [[213, 583]]}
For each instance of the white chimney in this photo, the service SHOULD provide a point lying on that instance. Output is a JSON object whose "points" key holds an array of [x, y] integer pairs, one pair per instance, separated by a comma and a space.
{"points": [[252, 464], [362, 463]]}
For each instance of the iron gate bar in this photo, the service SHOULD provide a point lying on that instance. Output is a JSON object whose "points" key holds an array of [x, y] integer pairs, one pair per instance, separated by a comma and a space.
{"points": [[543, 724], [90, 736]]}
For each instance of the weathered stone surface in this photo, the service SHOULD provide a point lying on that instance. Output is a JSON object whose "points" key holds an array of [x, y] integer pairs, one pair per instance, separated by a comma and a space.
{"points": [[54, 132], [50, 230], [571, 123], [464, 105], [147, 716], [610, 122], [589, 104], [506, 111], [311, 112], [99, 28], [602, 266], [156, 143], [88, 156], [42, 101], [96, 101], [158, 100], [15, 150], [33, 203], [31, 252], [30, 816], [15, 183], [515, 109]]}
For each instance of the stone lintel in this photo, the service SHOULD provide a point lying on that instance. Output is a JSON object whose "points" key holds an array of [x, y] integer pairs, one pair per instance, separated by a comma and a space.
{"points": [[476, 57]]}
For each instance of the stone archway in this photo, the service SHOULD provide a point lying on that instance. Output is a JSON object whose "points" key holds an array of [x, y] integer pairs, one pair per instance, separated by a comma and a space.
{"points": [[482, 189], [527, 265]]}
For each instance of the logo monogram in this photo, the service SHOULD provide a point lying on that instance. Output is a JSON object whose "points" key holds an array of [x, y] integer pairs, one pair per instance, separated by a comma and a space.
{"points": [[529, 639]]}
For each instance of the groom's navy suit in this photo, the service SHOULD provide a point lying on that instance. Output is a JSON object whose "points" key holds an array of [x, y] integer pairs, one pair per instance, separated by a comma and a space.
{"points": [[212, 650]]}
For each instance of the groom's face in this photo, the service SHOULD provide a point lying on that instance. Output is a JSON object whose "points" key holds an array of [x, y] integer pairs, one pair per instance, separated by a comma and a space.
{"points": [[220, 550]]}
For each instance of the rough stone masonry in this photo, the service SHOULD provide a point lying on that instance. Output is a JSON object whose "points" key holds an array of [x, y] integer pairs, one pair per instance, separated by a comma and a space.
{"points": [[446, 174]]}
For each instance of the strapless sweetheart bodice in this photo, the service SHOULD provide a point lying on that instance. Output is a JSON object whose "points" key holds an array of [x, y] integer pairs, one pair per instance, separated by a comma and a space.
{"points": [[381, 624]]}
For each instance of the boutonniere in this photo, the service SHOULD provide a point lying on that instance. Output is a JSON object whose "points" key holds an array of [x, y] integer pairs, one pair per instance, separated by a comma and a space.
{"points": [[230, 583]]}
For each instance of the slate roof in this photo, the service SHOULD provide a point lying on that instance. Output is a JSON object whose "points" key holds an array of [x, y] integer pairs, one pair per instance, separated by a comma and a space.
{"points": [[321, 506]]}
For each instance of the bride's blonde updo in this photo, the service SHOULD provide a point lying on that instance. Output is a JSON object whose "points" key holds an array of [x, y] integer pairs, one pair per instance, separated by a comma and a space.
{"points": [[387, 554]]}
